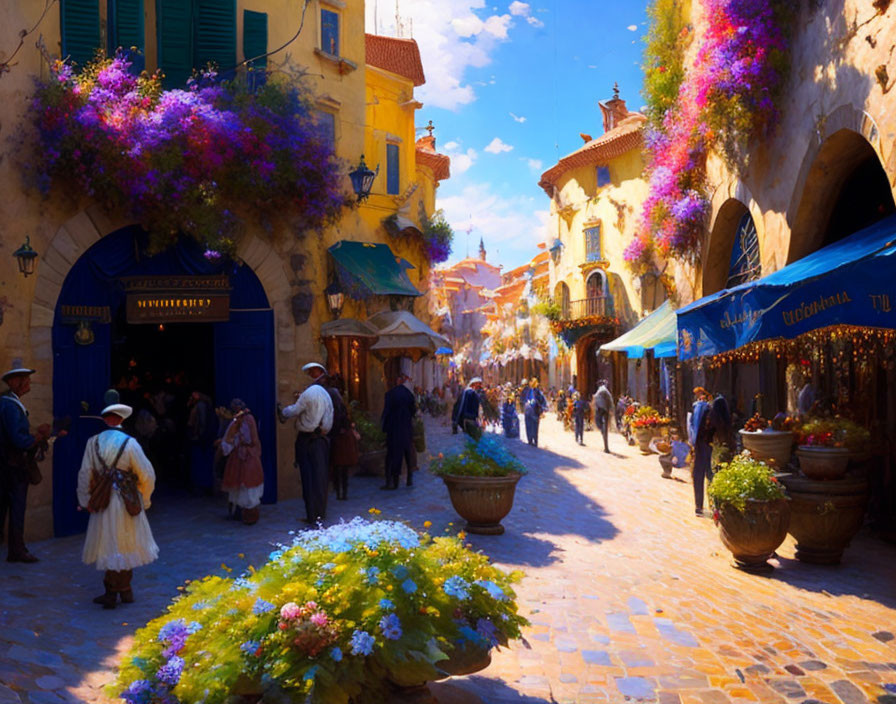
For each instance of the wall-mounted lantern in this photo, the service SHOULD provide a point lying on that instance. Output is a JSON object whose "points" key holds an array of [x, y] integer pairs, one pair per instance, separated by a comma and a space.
{"points": [[362, 179], [25, 255]]}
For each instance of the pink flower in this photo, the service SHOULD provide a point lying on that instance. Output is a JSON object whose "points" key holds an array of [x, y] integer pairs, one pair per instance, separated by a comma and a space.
{"points": [[319, 619], [290, 611]]}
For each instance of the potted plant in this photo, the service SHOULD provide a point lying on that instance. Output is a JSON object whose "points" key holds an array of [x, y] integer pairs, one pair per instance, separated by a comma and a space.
{"points": [[481, 482], [825, 445], [646, 423], [361, 612], [769, 441], [419, 434], [372, 444], [751, 510]]}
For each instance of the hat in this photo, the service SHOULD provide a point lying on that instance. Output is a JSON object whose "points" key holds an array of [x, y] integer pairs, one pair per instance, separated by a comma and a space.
{"points": [[524, 381], [475, 380], [117, 409], [311, 365], [17, 368]]}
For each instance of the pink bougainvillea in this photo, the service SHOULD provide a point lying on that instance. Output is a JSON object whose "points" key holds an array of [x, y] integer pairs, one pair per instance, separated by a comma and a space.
{"points": [[728, 95], [195, 161]]}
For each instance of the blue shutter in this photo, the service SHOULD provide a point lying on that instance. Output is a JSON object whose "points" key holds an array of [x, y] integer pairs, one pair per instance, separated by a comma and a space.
{"points": [[603, 176], [80, 25], [125, 23], [329, 32], [215, 35], [393, 180], [174, 27], [255, 43]]}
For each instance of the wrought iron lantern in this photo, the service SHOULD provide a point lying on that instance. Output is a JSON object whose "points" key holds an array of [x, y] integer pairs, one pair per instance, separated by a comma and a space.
{"points": [[25, 255], [362, 179], [335, 298]]}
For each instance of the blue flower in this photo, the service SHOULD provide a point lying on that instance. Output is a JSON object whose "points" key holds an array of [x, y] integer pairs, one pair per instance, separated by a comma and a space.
{"points": [[170, 672], [336, 655], [140, 692], [386, 605], [262, 607], [494, 591], [362, 643], [312, 671], [487, 630], [457, 587], [275, 555], [400, 571], [373, 575], [250, 647], [390, 625], [409, 586]]}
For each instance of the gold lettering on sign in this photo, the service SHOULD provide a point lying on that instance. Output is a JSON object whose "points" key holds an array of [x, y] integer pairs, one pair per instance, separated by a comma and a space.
{"points": [[880, 301], [748, 316], [806, 310]]}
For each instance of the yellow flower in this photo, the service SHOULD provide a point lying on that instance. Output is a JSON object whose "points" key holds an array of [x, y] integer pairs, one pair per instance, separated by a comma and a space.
{"points": [[461, 535], [427, 524], [240, 555], [226, 568], [388, 587], [374, 511]]}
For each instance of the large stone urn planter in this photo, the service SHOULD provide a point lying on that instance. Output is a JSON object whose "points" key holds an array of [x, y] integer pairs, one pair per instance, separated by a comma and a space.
{"points": [[770, 446], [482, 501], [823, 462], [372, 463], [825, 515], [463, 660], [643, 437], [753, 535]]}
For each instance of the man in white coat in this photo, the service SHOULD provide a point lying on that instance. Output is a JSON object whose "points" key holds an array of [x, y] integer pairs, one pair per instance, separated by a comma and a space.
{"points": [[115, 481]]}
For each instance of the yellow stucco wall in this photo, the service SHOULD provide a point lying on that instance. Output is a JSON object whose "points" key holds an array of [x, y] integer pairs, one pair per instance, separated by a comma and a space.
{"points": [[286, 263]]}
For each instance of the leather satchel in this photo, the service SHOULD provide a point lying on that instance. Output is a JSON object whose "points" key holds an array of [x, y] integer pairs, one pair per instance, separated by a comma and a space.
{"points": [[102, 484]]}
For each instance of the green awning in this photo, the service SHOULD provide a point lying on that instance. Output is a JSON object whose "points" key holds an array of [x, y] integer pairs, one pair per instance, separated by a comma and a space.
{"points": [[657, 332], [367, 269]]}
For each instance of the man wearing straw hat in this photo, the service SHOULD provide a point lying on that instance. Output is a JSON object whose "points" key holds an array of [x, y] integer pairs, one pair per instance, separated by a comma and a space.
{"points": [[15, 442], [115, 484]]}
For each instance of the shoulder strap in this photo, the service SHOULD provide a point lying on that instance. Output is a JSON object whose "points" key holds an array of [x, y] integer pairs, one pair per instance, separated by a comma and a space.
{"points": [[99, 455]]}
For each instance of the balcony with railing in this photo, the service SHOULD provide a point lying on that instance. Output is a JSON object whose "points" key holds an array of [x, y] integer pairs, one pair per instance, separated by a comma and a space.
{"points": [[588, 307]]}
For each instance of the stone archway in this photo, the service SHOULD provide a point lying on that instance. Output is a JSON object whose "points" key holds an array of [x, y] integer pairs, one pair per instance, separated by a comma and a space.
{"points": [[726, 227], [848, 147]]}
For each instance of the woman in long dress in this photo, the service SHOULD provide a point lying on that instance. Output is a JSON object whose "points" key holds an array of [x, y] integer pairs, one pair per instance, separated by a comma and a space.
{"points": [[116, 541], [243, 474]]}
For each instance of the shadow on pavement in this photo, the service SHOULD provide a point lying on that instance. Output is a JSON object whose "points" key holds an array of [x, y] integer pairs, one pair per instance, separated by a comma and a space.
{"points": [[495, 691]]}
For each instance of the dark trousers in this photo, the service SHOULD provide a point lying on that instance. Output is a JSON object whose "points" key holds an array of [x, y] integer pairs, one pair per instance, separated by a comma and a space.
{"points": [[701, 472], [580, 430], [396, 453], [471, 428], [603, 422], [532, 429], [313, 458], [13, 499]]}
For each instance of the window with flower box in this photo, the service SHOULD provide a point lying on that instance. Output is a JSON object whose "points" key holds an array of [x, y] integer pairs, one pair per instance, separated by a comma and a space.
{"points": [[80, 29], [192, 35]]}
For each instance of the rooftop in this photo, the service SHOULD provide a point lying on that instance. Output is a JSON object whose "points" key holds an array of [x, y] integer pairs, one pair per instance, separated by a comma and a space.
{"points": [[399, 56]]}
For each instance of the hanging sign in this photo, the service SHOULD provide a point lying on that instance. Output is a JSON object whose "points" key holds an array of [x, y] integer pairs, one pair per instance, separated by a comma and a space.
{"points": [[177, 299], [75, 315]]}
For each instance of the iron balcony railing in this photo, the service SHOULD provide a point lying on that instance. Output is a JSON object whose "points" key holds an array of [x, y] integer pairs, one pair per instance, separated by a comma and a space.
{"points": [[587, 307]]}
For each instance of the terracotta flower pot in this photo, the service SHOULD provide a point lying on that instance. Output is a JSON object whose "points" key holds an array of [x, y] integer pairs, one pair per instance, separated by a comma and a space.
{"points": [[461, 661], [666, 464], [771, 446], [823, 462], [482, 501], [644, 436], [752, 535], [825, 515]]}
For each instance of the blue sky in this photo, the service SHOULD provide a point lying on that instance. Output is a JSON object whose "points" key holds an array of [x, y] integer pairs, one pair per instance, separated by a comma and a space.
{"points": [[510, 86]]}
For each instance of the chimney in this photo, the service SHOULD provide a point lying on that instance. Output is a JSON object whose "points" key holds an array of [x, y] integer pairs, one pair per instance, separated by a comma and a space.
{"points": [[614, 111]]}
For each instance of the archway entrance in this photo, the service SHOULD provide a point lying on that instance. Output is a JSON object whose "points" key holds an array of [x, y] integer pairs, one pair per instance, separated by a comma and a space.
{"points": [[592, 366], [846, 190], [159, 328]]}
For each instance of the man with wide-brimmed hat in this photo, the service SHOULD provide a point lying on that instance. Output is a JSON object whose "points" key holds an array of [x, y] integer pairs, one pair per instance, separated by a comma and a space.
{"points": [[16, 441], [313, 411], [399, 409], [115, 484]]}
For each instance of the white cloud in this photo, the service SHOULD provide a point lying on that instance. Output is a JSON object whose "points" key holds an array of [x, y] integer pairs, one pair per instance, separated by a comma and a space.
{"points": [[453, 35], [497, 145], [520, 9], [518, 118], [535, 164], [632, 28], [535, 22], [461, 159], [512, 225]]}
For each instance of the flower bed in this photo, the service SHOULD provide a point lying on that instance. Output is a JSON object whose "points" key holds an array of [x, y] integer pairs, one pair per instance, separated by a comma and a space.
{"points": [[646, 418], [337, 614], [741, 479], [192, 161], [833, 432]]}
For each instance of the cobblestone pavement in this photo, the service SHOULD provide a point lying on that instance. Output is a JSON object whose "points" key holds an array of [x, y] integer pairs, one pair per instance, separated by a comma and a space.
{"points": [[631, 597]]}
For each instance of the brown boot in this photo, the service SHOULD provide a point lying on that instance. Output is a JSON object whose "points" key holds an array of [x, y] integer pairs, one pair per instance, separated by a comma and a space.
{"points": [[124, 587], [250, 516], [107, 600]]}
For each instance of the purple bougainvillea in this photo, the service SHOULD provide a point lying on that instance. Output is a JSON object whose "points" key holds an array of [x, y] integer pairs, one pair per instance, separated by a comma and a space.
{"points": [[196, 161]]}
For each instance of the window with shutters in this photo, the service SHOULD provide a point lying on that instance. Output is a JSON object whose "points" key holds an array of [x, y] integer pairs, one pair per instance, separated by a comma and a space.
{"points": [[80, 28], [393, 172], [593, 251], [124, 20], [603, 176], [255, 45], [329, 32], [192, 34]]}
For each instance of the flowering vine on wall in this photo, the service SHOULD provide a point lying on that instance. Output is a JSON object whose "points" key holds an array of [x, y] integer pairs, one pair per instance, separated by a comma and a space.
{"points": [[726, 97], [195, 161]]}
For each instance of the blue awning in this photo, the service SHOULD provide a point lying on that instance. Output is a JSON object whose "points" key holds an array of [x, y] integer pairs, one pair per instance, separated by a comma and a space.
{"points": [[656, 332], [850, 282]]}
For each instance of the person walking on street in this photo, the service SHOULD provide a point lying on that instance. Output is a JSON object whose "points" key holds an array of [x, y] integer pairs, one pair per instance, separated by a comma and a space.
{"points": [[115, 484], [578, 416], [466, 416], [603, 406], [17, 446], [243, 472], [313, 411], [534, 404], [343, 438], [509, 418], [397, 423], [699, 436]]}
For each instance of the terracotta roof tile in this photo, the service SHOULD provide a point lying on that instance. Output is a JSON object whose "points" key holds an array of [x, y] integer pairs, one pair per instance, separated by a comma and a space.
{"points": [[623, 138], [399, 56]]}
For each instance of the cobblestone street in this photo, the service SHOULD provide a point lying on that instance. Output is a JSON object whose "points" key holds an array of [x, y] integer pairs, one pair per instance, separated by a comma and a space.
{"points": [[631, 597]]}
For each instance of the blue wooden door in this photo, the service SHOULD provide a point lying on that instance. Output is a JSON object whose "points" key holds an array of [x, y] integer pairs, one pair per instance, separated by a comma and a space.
{"points": [[244, 369]]}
